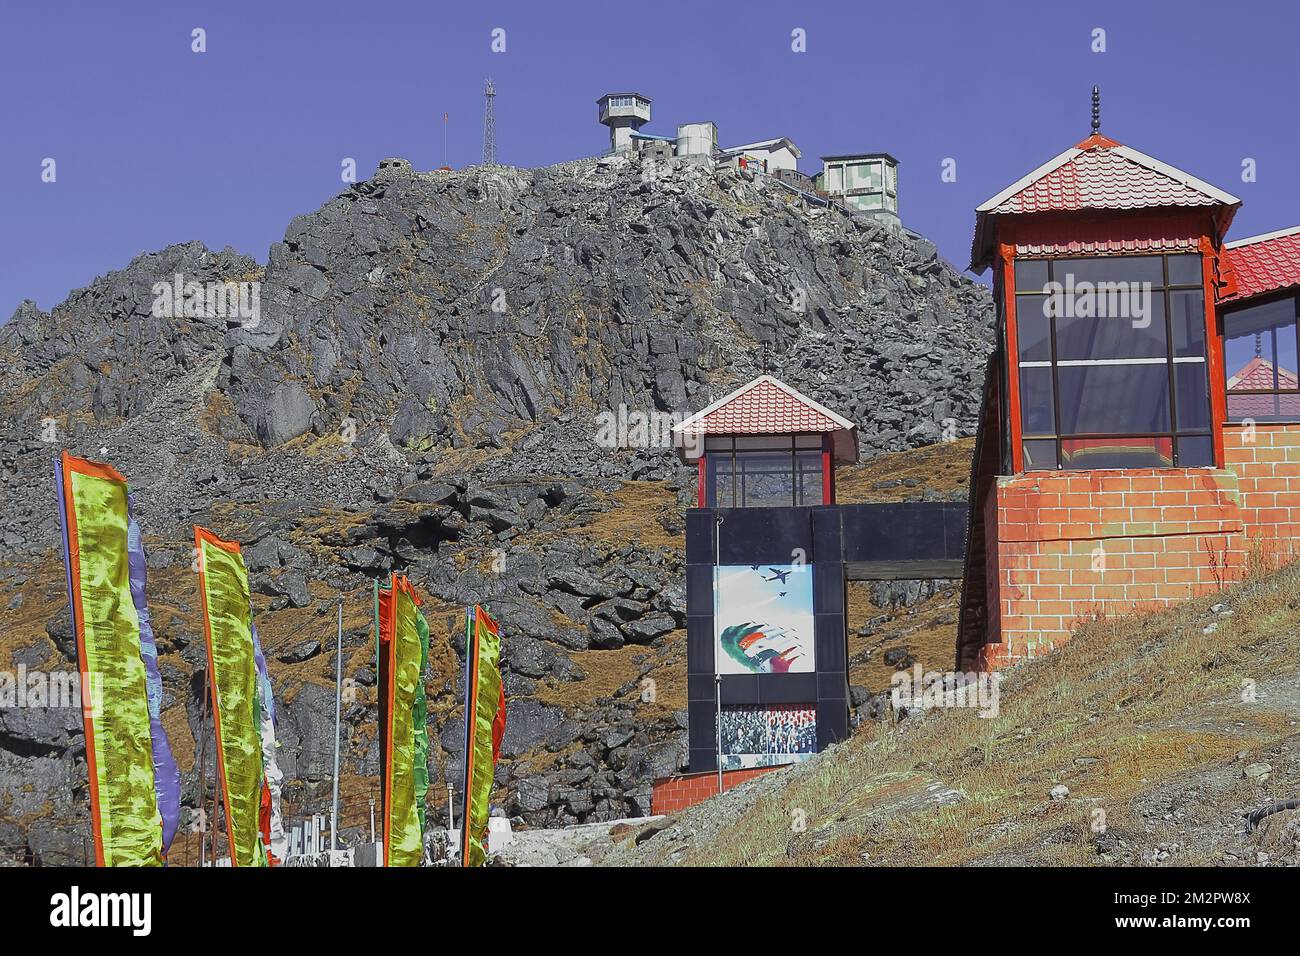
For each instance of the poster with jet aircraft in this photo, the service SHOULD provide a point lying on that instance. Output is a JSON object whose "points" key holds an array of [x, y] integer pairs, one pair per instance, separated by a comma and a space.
{"points": [[764, 619]]}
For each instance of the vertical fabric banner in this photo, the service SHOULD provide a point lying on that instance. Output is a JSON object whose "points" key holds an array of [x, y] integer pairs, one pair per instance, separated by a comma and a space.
{"points": [[235, 688], [118, 703], [167, 776], [485, 723], [270, 819], [403, 713]]}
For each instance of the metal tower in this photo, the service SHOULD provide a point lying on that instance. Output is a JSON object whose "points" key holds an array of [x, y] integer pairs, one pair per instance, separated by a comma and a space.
{"points": [[489, 125]]}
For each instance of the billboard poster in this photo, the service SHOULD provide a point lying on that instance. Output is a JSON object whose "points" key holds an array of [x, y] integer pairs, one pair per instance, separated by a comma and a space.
{"points": [[764, 619], [767, 736]]}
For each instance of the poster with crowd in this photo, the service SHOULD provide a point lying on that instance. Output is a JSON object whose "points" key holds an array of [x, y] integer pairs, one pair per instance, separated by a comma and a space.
{"points": [[764, 619], [767, 736]]}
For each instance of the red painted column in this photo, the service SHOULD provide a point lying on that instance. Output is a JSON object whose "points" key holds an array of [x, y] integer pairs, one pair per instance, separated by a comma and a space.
{"points": [[828, 473], [1213, 353], [1008, 253]]}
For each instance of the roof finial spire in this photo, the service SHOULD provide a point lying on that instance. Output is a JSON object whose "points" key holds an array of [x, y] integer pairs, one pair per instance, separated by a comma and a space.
{"points": [[1096, 110]]}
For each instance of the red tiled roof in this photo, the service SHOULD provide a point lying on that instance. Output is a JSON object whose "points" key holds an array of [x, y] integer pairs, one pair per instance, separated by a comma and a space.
{"points": [[767, 406], [1102, 175], [1106, 237], [1257, 374], [1265, 263], [763, 409]]}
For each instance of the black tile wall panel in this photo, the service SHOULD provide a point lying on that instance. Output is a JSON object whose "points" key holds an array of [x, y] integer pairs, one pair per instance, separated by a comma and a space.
{"points": [[739, 689], [700, 687], [828, 641], [764, 535], [702, 734], [699, 590], [699, 536], [699, 644], [828, 587], [787, 689]]}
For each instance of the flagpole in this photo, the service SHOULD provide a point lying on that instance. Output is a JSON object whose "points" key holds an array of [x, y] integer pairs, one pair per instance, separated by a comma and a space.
{"points": [[717, 665], [338, 722], [466, 815], [203, 789]]}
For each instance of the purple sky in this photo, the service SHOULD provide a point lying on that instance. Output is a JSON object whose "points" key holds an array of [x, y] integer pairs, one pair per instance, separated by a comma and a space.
{"points": [[156, 144]]}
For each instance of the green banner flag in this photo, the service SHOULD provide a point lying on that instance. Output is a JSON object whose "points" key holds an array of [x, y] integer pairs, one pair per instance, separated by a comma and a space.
{"points": [[233, 682], [125, 819], [403, 717], [485, 724]]}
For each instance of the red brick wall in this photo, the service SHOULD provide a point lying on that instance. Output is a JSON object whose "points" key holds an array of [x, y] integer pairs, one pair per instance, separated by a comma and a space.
{"points": [[674, 794], [1266, 460], [1071, 546]]}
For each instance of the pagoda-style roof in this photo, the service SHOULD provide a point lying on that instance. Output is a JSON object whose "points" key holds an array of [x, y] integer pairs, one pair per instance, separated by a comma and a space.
{"points": [[1098, 174], [767, 406], [1266, 263]]}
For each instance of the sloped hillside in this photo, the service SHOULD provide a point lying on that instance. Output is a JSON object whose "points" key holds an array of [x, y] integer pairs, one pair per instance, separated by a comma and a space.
{"points": [[1163, 731]]}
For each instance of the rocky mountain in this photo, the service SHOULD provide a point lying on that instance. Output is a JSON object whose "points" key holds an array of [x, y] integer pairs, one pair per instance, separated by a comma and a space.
{"points": [[419, 389]]}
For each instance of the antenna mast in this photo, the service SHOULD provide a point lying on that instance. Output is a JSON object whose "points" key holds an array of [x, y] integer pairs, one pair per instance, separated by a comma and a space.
{"points": [[489, 125]]}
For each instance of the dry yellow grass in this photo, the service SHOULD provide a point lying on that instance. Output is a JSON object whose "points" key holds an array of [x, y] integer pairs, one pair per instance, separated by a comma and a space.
{"points": [[607, 671], [944, 467], [43, 595], [920, 629], [633, 517]]}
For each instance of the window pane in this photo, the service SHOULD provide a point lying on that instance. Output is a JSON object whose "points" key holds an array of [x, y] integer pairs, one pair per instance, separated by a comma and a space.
{"points": [[1037, 413], [1193, 396], [1031, 275], [721, 481], [764, 480], [1282, 407], [1110, 269], [1123, 399], [1188, 319], [1184, 270], [1156, 452], [1137, 331], [864, 176], [1196, 452], [712, 442], [1033, 329], [1259, 350], [766, 442], [810, 477], [808, 441], [1039, 454]]}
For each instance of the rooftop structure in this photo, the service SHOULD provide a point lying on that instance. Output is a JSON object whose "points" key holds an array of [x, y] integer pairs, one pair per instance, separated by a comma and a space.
{"points": [[767, 406], [624, 114], [860, 182], [866, 182], [1265, 263], [768, 155]]}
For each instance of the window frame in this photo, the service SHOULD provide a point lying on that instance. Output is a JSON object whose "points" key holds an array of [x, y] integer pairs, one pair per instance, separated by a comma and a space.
{"points": [[1170, 361], [727, 447]]}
